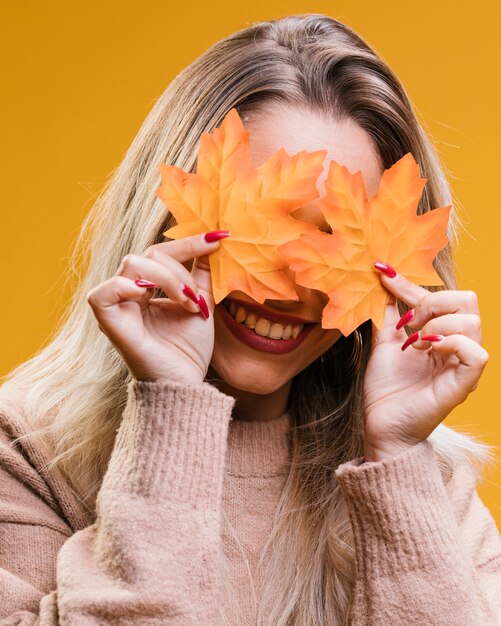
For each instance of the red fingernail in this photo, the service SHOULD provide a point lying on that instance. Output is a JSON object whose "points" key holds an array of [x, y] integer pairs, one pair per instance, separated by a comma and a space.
{"points": [[216, 235], [405, 319], [203, 307], [385, 268], [140, 282], [432, 337], [411, 339], [188, 291]]}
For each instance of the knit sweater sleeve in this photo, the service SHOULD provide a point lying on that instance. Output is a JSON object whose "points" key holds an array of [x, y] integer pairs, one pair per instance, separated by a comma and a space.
{"points": [[426, 553], [153, 554]]}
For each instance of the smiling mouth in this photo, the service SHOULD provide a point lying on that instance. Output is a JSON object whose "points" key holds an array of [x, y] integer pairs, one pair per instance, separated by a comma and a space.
{"points": [[262, 325], [274, 341]]}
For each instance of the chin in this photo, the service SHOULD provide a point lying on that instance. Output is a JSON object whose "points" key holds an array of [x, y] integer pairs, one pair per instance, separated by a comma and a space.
{"points": [[253, 378]]}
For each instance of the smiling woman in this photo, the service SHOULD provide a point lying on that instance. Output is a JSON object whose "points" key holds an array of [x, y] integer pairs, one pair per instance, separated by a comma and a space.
{"points": [[166, 460], [244, 368]]}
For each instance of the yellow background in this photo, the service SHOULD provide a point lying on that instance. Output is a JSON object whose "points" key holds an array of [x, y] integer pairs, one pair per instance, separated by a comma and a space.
{"points": [[80, 77]]}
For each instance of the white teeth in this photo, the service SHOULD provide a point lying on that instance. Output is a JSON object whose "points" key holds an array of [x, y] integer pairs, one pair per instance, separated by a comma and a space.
{"points": [[276, 331], [241, 314], [250, 320], [261, 325]]}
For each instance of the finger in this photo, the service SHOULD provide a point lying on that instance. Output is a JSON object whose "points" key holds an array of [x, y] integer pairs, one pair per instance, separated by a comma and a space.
{"points": [[104, 300], [188, 248], [148, 292], [401, 287], [168, 274], [201, 274], [463, 324], [440, 303], [425, 304], [388, 332], [472, 361]]}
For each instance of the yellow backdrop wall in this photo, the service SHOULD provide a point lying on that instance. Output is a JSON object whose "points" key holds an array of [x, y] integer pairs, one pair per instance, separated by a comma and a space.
{"points": [[79, 78]]}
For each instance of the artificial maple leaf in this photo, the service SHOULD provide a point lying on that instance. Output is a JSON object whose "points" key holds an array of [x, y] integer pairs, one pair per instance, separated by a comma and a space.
{"points": [[228, 193], [386, 228]]}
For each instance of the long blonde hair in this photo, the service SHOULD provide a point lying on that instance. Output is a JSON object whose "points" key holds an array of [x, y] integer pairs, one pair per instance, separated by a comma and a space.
{"points": [[73, 391]]}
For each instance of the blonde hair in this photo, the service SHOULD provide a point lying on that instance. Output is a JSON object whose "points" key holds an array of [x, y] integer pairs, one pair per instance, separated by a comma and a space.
{"points": [[73, 391]]}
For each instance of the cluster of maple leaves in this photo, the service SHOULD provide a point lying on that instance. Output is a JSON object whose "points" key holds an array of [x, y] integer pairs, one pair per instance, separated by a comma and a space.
{"points": [[255, 204]]}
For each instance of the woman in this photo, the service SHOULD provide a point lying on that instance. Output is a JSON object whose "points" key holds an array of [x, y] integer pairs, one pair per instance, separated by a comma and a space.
{"points": [[158, 469]]}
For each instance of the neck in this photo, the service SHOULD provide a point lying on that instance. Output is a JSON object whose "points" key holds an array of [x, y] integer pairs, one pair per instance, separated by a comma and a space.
{"points": [[254, 406]]}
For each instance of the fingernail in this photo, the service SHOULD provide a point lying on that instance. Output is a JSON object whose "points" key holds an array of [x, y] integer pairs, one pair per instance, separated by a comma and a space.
{"points": [[385, 268], [216, 235], [432, 337], [188, 291], [203, 306], [140, 282], [405, 319], [411, 339]]}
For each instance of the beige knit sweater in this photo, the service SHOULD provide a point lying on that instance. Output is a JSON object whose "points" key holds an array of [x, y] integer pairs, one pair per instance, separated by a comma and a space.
{"points": [[427, 550]]}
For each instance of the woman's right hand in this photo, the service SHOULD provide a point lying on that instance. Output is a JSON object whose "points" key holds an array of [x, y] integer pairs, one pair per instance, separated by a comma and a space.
{"points": [[161, 338]]}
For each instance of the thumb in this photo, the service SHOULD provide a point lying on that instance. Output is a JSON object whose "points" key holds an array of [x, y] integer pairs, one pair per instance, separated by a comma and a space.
{"points": [[389, 333], [202, 275]]}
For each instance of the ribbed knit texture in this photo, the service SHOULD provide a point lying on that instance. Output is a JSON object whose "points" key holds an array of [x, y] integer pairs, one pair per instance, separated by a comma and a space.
{"points": [[188, 498], [391, 503], [165, 453]]}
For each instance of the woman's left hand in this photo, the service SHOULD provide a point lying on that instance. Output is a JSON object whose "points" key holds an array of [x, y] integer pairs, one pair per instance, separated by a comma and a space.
{"points": [[409, 392]]}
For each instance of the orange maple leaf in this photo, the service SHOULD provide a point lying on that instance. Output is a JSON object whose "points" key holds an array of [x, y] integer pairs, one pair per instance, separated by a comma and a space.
{"points": [[228, 193], [386, 228]]}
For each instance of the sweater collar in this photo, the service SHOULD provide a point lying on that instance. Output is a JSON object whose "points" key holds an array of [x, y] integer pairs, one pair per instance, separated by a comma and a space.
{"points": [[258, 448]]}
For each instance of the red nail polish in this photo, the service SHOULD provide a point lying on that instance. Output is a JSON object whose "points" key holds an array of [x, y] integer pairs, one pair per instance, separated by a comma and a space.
{"points": [[216, 235], [410, 340], [141, 282], [405, 319], [188, 291], [203, 306], [385, 268], [432, 337]]}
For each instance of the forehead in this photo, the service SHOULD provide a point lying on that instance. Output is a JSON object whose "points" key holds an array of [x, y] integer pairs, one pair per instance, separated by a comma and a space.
{"points": [[295, 129]]}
